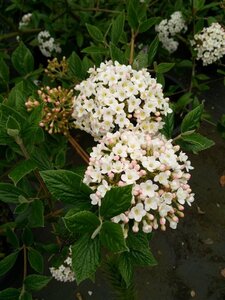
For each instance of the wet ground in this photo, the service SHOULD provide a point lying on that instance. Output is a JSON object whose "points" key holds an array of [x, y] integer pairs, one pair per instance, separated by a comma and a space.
{"points": [[191, 259]]}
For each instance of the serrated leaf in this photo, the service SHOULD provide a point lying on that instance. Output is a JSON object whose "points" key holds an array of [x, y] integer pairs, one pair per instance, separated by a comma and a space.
{"points": [[117, 28], [75, 66], [21, 170], [142, 257], [192, 119], [126, 269], [34, 283], [116, 201], [95, 33], [68, 187], [36, 215], [7, 263], [9, 294], [85, 257], [164, 67], [12, 237], [83, 222], [182, 102], [168, 126], [153, 50], [195, 142], [13, 127], [116, 54], [22, 59], [111, 236], [36, 260], [9, 193]]}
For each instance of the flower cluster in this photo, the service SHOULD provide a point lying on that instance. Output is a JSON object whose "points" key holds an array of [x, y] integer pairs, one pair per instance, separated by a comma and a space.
{"points": [[115, 97], [64, 272], [25, 20], [158, 171], [210, 44], [57, 69], [47, 44], [57, 109], [167, 29]]}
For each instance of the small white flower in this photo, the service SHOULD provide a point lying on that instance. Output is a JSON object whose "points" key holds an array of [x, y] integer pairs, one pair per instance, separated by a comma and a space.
{"points": [[137, 212]]}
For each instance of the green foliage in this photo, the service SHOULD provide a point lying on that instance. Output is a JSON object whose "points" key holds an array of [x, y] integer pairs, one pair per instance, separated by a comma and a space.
{"points": [[34, 283], [7, 263]]}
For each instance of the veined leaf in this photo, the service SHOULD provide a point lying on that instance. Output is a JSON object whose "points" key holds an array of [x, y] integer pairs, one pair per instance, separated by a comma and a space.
{"points": [[95, 33], [22, 59], [7, 263], [34, 283], [192, 119], [21, 170], [117, 28]]}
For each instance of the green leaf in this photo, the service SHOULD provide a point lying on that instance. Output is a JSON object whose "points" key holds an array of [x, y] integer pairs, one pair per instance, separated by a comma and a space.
{"points": [[142, 257], [168, 126], [34, 283], [147, 24], [21, 208], [13, 127], [117, 28], [9, 193], [153, 50], [116, 54], [75, 66], [194, 142], [141, 60], [4, 71], [132, 15], [85, 257], [9, 294], [126, 269], [36, 215], [95, 33], [16, 100], [164, 67], [12, 237], [83, 222], [111, 236], [21, 170], [7, 263], [22, 59], [116, 201], [94, 50], [36, 260], [192, 119], [182, 102], [68, 187], [198, 4], [25, 296]]}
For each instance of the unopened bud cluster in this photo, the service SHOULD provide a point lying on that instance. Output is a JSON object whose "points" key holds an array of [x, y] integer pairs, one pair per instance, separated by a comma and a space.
{"points": [[57, 69], [168, 28], [210, 44], [158, 171], [64, 272], [57, 109]]}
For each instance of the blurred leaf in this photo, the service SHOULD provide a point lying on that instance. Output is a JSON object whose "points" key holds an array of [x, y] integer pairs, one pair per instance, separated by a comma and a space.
{"points": [[36, 260], [85, 257], [147, 24], [9, 193], [132, 15], [22, 59], [163, 67], [13, 127], [141, 60], [4, 71], [94, 50], [9, 294], [153, 50], [7, 263], [36, 215], [34, 283], [12, 237], [27, 236], [126, 269], [75, 66], [168, 125], [117, 28], [95, 33], [21, 170], [182, 102], [116, 54]]}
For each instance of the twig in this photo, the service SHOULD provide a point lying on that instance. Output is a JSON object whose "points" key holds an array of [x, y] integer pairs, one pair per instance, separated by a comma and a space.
{"points": [[78, 149], [133, 35], [24, 262]]}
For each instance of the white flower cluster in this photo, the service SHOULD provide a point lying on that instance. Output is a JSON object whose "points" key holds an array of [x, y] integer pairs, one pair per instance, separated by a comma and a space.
{"points": [[25, 20], [158, 171], [64, 272], [47, 44], [210, 43], [167, 29], [115, 97]]}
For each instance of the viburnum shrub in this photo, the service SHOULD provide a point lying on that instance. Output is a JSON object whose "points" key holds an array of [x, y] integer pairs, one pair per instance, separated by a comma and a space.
{"points": [[119, 82]]}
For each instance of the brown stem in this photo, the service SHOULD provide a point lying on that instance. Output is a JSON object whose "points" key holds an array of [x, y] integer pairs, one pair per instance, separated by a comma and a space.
{"points": [[13, 34], [133, 35], [24, 262], [78, 149]]}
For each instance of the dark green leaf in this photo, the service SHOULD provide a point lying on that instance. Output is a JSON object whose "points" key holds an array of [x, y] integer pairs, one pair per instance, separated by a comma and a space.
{"points": [[13, 127], [132, 15], [21, 170], [9, 294], [21, 208], [36, 216], [192, 119], [153, 50], [141, 60], [22, 59], [12, 237], [16, 100], [147, 24], [168, 126], [34, 283], [194, 142], [116, 201], [94, 50], [27, 237], [4, 71], [7, 263], [68, 187], [111, 236], [9, 193], [25, 296], [95, 33], [85, 257], [117, 28], [125, 267], [142, 257], [116, 54], [182, 102], [164, 67], [36, 260], [75, 66], [198, 4], [83, 222]]}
